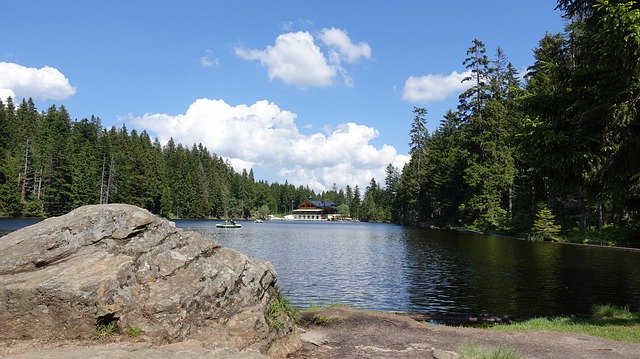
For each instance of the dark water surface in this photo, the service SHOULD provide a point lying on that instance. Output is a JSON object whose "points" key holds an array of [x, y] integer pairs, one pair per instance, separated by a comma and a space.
{"points": [[388, 267], [11, 224]]}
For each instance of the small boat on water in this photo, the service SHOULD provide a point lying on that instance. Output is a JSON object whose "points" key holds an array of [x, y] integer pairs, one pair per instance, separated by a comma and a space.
{"points": [[259, 221], [228, 224]]}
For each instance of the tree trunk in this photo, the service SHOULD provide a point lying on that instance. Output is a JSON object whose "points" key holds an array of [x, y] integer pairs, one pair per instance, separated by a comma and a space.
{"points": [[25, 172], [102, 186], [600, 216], [582, 211]]}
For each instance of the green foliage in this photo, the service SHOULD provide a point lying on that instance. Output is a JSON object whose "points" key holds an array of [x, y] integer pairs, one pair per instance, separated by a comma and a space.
{"points": [[322, 320], [316, 307], [611, 312], [343, 209], [607, 235], [104, 330], [134, 332], [50, 164], [569, 137], [464, 173], [607, 322], [281, 311], [473, 351], [311, 316], [544, 227]]}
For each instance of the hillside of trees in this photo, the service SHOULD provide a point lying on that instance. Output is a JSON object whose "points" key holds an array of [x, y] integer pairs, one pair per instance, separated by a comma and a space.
{"points": [[565, 143], [556, 149], [50, 165]]}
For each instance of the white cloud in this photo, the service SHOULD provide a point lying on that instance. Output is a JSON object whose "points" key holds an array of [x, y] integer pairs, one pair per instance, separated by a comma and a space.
{"points": [[263, 134], [295, 59], [434, 87], [339, 39], [299, 24], [209, 60], [4, 93], [46, 83]]}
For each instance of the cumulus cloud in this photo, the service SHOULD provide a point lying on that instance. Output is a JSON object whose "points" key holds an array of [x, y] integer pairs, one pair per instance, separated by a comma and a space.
{"points": [[434, 87], [46, 83], [265, 135], [296, 59], [4, 93], [339, 39]]}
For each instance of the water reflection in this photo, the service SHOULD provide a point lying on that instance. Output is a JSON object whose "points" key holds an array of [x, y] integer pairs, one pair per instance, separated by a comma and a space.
{"points": [[387, 267], [469, 274]]}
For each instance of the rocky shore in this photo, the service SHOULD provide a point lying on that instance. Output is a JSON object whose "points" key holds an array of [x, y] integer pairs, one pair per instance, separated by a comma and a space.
{"points": [[120, 266]]}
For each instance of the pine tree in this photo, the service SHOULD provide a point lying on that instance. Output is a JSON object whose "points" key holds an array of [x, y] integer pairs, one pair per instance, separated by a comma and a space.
{"points": [[57, 176], [544, 227], [472, 101], [489, 171]]}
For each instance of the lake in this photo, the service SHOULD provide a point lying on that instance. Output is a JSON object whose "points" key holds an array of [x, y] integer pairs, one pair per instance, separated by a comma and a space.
{"points": [[393, 268], [389, 267]]}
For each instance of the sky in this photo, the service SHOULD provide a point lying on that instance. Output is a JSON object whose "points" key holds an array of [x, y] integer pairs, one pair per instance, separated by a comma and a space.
{"points": [[312, 92]]}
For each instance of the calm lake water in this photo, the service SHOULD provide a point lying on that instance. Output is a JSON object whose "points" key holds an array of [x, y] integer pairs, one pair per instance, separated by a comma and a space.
{"points": [[388, 267]]}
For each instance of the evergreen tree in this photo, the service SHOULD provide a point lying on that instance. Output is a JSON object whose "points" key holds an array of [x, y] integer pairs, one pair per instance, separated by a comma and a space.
{"points": [[85, 162], [354, 207], [419, 133], [544, 227], [57, 194], [473, 100], [490, 169]]}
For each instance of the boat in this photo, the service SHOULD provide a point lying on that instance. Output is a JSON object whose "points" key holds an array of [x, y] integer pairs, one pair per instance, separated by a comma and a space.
{"points": [[259, 221], [228, 224]]}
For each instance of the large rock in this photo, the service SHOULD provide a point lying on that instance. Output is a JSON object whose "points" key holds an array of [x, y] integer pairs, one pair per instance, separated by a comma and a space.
{"points": [[102, 263]]}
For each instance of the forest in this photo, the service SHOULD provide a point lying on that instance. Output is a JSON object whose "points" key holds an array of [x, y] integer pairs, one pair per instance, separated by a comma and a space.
{"points": [[556, 151], [544, 154], [51, 165]]}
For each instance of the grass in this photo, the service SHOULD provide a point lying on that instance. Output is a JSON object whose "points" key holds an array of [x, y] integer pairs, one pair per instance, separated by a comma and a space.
{"points": [[133, 332], [280, 310], [315, 307], [606, 321], [309, 315], [104, 330], [473, 351], [607, 235], [321, 320]]}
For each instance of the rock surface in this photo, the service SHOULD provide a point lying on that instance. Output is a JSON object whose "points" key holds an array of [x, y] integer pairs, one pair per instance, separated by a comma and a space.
{"points": [[353, 333], [118, 263]]}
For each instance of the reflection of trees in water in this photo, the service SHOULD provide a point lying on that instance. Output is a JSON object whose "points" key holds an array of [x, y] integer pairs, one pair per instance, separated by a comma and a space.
{"points": [[455, 273], [438, 281], [388, 267]]}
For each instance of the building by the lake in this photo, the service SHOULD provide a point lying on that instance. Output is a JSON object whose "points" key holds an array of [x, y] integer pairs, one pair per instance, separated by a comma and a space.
{"points": [[312, 210]]}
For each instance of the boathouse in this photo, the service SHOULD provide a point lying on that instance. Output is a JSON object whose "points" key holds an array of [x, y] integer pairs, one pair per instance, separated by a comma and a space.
{"points": [[312, 210]]}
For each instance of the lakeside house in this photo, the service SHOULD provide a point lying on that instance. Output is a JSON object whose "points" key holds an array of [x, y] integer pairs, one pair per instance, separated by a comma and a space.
{"points": [[312, 210]]}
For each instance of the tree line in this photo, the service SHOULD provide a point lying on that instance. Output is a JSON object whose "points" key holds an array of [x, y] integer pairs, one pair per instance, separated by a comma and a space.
{"points": [[563, 144], [50, 164]]}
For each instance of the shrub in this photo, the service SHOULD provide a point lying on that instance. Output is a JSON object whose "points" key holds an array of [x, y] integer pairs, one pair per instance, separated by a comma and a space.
{"points": [[279, 310]]}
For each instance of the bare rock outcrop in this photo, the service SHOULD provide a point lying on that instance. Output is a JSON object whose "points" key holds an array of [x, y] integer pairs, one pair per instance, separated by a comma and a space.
{"points": [[119, 263]]}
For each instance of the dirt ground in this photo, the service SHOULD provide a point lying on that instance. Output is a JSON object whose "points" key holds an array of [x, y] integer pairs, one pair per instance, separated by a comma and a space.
{"points": [[353, 333], [350, 333]]}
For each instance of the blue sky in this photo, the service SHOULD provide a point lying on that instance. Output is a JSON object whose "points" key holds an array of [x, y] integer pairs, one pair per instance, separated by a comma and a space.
{"points": [[316, 92]]}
